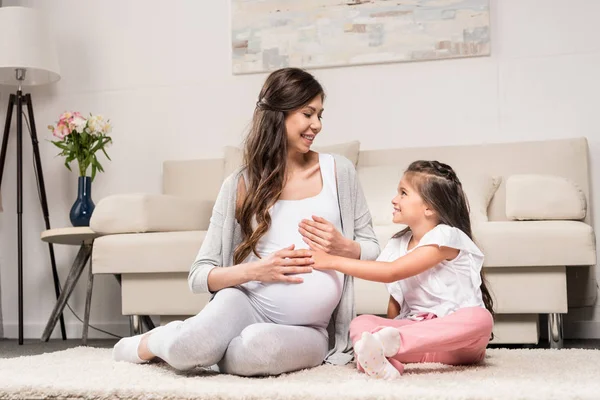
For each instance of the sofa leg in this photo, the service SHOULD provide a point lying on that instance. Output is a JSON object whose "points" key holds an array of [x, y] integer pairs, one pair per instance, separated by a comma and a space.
{"points": [[135, 325], [555, 330], [147, 321]]}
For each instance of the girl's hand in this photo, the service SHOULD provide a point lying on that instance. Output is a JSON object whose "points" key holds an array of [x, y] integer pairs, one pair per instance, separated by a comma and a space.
{"points": [[280, 265], [320, 234], [322, 260]]}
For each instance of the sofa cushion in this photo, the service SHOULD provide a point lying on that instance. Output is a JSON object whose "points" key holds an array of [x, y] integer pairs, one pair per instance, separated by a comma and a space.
{"points": [[146, 252], [380, 185], [139, 212], [514, 290], [535, 243], [480, 189], [543, 197], [525, 243], [166, 251], [234, 156], [200, 179]]}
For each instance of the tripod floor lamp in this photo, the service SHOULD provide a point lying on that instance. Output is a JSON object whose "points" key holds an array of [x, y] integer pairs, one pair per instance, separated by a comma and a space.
{"points": [[27, 58]]}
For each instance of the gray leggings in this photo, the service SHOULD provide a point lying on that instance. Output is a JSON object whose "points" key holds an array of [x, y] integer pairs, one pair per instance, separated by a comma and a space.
{"points": [[232, 333]]}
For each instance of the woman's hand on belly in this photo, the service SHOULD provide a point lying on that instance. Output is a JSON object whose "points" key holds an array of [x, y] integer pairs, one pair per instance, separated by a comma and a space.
{"points": [[320, 234], [279, 266]]}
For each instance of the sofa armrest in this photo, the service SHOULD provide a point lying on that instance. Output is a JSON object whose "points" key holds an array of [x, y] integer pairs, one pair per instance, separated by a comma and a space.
{"points": [[137, 213]]}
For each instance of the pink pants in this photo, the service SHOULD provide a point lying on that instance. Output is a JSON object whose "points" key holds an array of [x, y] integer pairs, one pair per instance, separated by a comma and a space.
{"points": [[458, 338]]}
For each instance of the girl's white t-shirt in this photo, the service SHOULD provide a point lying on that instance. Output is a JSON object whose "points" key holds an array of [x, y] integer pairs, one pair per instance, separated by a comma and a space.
{"points": [[445, 288]]}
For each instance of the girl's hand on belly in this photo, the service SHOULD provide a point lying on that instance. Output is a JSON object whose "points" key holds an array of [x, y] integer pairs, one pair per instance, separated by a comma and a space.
{"points": [[278, 266], [322, 260]]}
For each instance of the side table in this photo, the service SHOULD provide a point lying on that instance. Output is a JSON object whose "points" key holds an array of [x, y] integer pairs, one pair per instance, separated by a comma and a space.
{"points": [[84, 238]]}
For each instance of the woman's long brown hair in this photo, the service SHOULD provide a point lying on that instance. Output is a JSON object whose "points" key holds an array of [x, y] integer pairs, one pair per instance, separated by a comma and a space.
{"points": [[265, 151], [439, 187]]}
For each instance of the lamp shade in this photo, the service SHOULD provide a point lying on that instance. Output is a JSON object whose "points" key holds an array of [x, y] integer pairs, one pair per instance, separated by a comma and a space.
{"points": [[26, 42]]}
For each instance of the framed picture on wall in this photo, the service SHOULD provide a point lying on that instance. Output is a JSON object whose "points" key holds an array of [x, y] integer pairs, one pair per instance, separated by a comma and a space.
{"points": [[271, 34]]}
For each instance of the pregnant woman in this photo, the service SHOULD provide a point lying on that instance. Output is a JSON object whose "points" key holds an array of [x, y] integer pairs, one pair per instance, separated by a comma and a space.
{"points": [[271, 312]]}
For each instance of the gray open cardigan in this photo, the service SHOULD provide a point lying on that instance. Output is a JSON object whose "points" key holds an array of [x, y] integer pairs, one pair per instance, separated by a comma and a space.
{"points": [[224, 235]]}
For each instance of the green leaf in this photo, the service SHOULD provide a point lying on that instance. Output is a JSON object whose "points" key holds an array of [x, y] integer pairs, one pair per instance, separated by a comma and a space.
{"points": [[98, 165], [104, 151], [61, 145], [97, 147]]}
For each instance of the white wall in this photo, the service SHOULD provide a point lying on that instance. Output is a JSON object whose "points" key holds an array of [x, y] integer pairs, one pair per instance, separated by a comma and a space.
{"points": [[161, 71]]}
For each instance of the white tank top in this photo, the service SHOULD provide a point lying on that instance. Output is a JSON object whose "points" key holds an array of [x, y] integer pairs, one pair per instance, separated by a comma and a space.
{"points": [[312, 302]]}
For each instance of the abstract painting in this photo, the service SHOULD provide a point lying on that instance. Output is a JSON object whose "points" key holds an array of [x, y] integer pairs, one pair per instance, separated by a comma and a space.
{"points": [[271, 34]]}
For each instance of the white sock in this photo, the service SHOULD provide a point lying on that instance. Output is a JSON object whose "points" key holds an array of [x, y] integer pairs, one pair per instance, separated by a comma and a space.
{"points": [[390, 340], [126, 349], [369, 352]]}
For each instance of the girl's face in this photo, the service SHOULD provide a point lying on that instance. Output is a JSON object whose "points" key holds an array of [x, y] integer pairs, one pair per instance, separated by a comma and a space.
{"points": [[409, 207], [303, 125]]}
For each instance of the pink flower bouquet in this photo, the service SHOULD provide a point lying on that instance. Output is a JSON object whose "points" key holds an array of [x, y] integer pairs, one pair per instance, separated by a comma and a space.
{"points": [[80, 138]]}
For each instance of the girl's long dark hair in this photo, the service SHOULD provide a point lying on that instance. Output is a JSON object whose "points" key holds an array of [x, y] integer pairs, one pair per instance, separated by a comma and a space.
{"points": [[439, 187], [265, 151]]}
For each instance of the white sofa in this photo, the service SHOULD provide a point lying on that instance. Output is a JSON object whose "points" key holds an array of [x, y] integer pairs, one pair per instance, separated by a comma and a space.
{"points": [[529, 209]]}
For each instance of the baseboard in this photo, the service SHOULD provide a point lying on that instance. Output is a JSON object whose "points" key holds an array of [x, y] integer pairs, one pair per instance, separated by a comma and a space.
{"points": [[74, 330]]}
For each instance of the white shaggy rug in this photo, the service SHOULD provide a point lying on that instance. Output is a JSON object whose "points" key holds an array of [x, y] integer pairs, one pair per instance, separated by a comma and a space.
{"points": [[90, 373]]}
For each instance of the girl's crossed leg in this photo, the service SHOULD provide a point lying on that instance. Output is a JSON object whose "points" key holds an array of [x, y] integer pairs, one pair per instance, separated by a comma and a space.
{"points": [[458, 338]]}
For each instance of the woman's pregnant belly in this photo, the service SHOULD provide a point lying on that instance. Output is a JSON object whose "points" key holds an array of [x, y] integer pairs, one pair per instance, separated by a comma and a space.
{"points": [[309, 303]]}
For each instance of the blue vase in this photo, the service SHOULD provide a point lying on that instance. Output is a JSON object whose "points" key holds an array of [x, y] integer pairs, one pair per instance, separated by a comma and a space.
{"points": [[82, 209]]}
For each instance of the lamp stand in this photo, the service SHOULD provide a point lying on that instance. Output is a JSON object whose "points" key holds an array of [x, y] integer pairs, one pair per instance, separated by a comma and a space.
{"points": [[19, 100]]}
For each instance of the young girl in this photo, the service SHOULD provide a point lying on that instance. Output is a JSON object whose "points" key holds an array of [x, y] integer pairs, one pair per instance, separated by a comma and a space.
{"points": [[440, 309]]}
